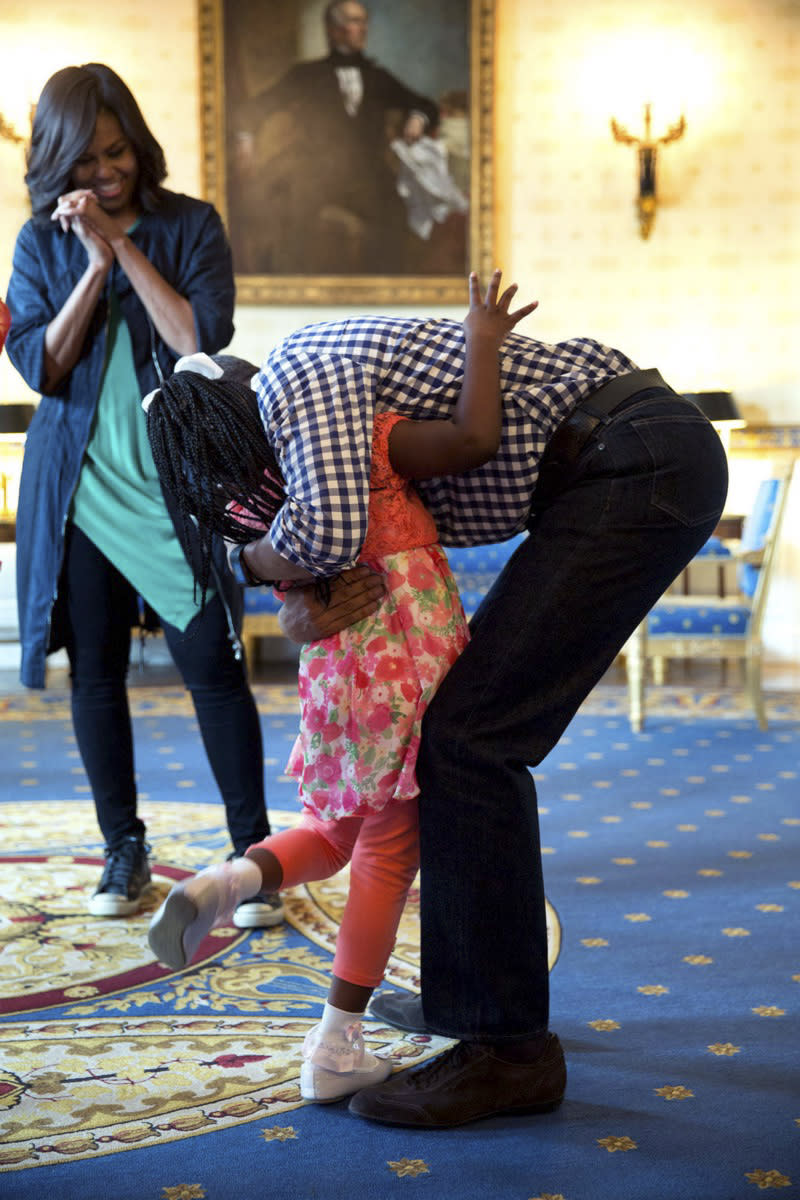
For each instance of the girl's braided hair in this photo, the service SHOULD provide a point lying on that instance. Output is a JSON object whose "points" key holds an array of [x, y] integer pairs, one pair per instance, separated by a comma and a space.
{"points": [[212, 455]]}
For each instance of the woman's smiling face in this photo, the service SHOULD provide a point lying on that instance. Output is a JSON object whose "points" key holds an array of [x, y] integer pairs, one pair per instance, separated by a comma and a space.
{"points": [[109, 168]]}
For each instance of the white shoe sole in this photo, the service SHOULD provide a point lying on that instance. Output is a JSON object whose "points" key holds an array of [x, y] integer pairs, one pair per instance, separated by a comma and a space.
{"points": [[259, 917], [109, 904], [323, 1086], [177, 929]]}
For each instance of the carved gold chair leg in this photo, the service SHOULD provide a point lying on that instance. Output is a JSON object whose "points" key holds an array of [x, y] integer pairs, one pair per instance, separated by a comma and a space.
{"points": [[752, 675], [635, 663], [249, 644]]}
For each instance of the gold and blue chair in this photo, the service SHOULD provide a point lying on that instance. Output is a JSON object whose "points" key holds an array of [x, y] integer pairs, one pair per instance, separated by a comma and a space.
{"points": [[716, 627]]}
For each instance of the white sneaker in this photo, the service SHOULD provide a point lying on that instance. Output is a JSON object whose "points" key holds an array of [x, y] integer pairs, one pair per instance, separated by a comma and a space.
{"points": [[259, 912], [125, 879], [324, 1086]]}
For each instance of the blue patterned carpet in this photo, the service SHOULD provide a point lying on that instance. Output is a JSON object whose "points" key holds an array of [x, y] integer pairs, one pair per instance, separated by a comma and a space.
{"points": [[673, 875]]}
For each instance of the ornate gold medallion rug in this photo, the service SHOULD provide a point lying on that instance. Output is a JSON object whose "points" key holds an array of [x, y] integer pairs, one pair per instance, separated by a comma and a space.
{"points": [[669, 857], [112, 1049]]}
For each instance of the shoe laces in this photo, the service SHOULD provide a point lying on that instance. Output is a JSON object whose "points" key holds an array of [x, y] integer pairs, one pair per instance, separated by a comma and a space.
{"points": [[122, 861], [457, 1056]]}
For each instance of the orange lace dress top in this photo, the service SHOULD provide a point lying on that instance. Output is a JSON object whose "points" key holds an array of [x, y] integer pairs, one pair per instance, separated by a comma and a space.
{"points": [[398, 520]]}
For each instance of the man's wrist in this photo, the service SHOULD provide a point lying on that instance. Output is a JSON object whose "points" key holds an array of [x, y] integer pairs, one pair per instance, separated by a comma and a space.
{"points": [[242, 572]]}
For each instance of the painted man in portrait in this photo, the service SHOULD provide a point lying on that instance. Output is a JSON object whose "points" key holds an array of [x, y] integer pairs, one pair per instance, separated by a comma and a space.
{"points": [[312, 155]]}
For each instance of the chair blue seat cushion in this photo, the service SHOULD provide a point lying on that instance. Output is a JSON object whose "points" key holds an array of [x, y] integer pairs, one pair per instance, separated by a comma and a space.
{"points": [[261, 600], [724, 618], [476, 568], [714, 548]]}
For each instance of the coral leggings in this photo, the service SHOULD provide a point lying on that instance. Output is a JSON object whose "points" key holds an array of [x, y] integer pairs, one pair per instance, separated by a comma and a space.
{"points": [[383, 851]]}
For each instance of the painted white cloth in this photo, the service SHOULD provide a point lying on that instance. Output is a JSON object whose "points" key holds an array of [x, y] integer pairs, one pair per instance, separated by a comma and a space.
{"points": [[425, 184]]}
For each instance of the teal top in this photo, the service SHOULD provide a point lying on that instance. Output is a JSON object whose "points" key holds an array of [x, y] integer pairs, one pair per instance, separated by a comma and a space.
{"points": [[118, 502]]}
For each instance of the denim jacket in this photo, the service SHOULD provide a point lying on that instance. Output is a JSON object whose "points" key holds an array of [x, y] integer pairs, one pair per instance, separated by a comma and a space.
{"points": [[186, 243]]}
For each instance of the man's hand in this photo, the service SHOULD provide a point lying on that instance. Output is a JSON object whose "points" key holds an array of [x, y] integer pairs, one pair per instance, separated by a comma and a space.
{"points": [[355, 594]]}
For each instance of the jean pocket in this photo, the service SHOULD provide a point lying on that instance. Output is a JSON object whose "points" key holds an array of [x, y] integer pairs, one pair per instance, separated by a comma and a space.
{"points": [[690, 469]]}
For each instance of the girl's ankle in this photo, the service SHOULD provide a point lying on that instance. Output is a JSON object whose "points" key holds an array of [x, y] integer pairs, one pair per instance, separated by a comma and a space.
{"points": [[336, 1050]]}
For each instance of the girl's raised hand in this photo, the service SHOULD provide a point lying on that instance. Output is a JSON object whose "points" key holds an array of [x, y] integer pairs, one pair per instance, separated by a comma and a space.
{"points": [[489, 317]]}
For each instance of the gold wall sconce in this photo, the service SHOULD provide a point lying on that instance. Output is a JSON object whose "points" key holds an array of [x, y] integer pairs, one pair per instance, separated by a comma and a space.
{"points": [[8, 132], [647, 148]]}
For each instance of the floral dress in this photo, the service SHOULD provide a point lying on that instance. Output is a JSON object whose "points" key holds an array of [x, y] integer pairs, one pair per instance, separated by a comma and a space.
{"points": [[363, 691]]}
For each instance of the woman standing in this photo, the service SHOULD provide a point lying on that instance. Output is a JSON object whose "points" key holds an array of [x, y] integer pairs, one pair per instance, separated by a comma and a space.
{"points": [[114, 278]]}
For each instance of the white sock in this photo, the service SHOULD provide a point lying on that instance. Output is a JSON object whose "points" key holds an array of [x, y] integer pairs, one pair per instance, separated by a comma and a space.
{"points": [[336, 1020], [327, 1044]]}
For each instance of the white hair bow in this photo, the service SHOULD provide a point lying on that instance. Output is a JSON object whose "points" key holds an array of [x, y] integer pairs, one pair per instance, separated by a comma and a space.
{"points": [[200, 363]]}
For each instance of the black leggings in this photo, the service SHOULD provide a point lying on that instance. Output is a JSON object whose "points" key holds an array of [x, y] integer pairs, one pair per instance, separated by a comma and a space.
{"points": [[99, 605]]}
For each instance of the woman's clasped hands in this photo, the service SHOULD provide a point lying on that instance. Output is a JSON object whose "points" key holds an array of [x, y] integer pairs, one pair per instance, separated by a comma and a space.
{"points": [[79, 211]]}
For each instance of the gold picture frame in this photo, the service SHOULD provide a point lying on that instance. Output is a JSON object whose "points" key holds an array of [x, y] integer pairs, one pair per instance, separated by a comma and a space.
{"points": [[277, 274]]}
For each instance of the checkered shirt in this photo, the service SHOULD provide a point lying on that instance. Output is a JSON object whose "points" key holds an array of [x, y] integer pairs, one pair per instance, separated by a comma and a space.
{"points": [[320, 386]]}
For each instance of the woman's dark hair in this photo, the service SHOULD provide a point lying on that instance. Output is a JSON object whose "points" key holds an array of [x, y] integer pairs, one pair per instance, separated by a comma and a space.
{"points": [[64, 125], [212, 454]]}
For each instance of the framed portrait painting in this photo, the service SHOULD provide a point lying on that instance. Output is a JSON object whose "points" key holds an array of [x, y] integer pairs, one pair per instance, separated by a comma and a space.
{"points": [[348, 146]]}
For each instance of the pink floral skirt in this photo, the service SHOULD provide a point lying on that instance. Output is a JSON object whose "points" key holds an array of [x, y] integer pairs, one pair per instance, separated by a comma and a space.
{"points": [[363, 692]]}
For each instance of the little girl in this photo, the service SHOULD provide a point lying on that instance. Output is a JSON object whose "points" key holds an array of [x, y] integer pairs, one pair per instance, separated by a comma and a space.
{"points": [[363, 692]]}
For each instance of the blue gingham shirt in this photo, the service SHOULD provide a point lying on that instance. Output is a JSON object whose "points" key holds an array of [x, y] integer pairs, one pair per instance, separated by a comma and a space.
{"points": [[318, 391]]}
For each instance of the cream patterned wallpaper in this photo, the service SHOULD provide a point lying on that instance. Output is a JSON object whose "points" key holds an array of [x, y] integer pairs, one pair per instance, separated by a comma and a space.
{"points": [[712, 298]]}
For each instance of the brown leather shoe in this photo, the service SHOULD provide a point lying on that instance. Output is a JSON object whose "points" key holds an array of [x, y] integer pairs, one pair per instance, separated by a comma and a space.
{"points": [[464, 1084]]}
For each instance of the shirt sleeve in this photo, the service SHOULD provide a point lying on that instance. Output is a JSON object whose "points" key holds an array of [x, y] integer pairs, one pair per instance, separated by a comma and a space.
{"points": [[31, 309], [317, 412], [207, 283]]}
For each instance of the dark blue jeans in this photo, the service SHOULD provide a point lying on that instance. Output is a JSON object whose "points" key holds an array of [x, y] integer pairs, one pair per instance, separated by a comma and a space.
{"points": [[101, 607], [606, 539]]}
